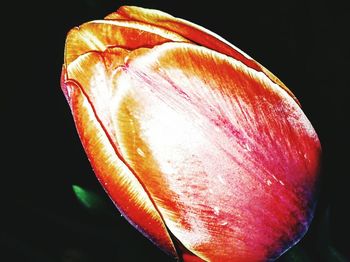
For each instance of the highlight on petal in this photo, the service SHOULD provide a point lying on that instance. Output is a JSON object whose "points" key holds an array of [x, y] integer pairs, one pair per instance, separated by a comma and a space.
{"points": [[114, 175], [102, 34], [193, 125], [201, 148], [194, 33]]}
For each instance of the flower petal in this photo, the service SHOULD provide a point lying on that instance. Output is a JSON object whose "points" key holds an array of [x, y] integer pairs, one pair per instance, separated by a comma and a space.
{"points": [[101, 34], [226, 155], [194, 33], [196, 144], [113, 173]]}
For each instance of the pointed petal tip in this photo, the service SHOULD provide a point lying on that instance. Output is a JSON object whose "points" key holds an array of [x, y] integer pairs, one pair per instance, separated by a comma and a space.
{"points": [[66, 89]]}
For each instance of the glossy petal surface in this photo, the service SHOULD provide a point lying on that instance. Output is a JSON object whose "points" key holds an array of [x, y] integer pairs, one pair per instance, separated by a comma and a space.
{"points": [[192, 32], [114, 175], [195, 141]]}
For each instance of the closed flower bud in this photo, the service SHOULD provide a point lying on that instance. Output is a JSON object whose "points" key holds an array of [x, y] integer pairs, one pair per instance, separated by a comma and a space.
{"points": [[200, 147]]}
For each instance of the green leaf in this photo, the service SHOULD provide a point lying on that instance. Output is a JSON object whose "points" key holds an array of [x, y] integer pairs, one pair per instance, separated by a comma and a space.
{"points": [[89, 199]]}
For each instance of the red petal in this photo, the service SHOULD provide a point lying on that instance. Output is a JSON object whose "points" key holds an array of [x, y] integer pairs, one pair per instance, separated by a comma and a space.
{"points": [[194, 33], [100, 35], [227, 156], [214, 147], [113, 173]]}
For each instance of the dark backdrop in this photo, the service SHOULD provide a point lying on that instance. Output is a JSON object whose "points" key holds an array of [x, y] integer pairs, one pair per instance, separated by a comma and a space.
{"points": [[303, 42]]}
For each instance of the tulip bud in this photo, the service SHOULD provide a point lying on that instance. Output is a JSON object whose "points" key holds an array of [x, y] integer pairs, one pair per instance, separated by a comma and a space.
{"points": [[200, 147]]}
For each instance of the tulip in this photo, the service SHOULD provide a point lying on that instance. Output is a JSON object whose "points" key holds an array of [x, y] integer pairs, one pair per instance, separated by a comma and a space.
{"points": [[201, 148]]}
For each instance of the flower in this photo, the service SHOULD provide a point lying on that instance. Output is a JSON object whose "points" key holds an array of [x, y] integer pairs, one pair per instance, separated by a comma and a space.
{"points": [[200, 147]]}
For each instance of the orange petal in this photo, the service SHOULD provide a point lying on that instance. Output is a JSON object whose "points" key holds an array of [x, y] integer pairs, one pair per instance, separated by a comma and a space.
{"points": [[114, 174], [100, 35], [226, 155], [194, 33], [175, 132]]}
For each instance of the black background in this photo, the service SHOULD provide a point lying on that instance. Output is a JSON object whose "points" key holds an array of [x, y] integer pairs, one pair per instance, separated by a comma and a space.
{"points": [[303, 42]]}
